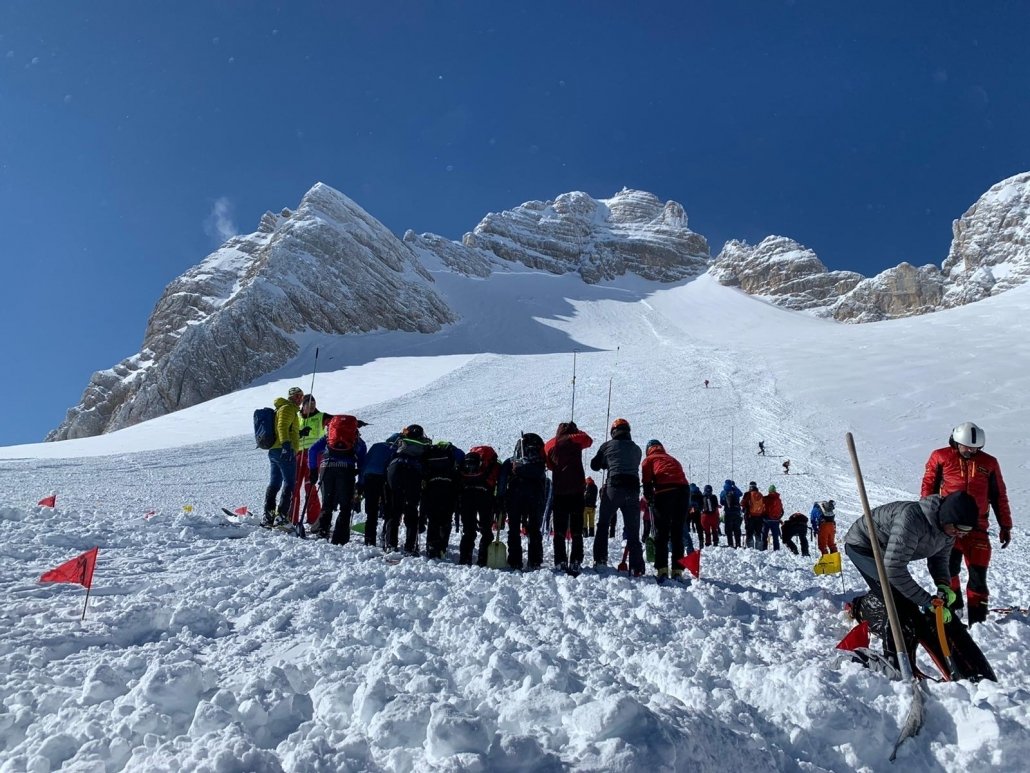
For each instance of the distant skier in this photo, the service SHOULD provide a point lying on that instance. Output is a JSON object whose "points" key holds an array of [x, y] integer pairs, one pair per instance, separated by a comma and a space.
{"points": [[786, 466], [761, 448], [706, 383]]}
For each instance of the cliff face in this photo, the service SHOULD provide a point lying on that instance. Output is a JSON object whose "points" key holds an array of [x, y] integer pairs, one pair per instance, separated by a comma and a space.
{"points": [[329, 267]]}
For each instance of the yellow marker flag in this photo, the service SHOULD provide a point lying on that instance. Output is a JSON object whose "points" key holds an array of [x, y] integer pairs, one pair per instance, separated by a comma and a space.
{"points": [[828, 564], [187, 508]]}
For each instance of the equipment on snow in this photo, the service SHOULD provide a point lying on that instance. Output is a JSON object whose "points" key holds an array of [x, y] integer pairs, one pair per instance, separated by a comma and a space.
{"points": [[497, 552], [914, 719], [264, 428]]}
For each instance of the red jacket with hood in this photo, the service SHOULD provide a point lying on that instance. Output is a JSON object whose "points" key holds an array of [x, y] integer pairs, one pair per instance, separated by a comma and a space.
{"points": [[564, 456]]}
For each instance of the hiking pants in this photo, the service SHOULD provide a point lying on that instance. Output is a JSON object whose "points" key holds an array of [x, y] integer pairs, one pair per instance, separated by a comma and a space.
{"points": [[670, 511], [975, 548], [710, 526], [372, 488], [282, 475], [525, 507], [788, 540], [439, 501], [827, 537], [589, 520], [567, 512], [305, 482], [477, 517], [753, 531], [624, 499], [404, 480], [733, 530], [337, 491], [771, 528]]}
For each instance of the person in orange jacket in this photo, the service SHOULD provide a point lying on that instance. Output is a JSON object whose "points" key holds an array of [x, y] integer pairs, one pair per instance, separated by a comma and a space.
{"points": [[773, 516], [964, 466]]}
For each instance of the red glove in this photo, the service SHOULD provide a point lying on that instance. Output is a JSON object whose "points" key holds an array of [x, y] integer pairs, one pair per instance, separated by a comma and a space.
{"points": [[1005, 536]]}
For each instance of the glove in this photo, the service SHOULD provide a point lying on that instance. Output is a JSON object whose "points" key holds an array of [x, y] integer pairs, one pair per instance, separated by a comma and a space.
{"points": [[946, 593], [937, 602], [305, 431], [1006, 537], [287, 450]]}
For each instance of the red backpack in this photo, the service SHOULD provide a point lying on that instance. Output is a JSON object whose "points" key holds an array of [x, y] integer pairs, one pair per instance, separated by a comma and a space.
{"points": [[343, 433]]}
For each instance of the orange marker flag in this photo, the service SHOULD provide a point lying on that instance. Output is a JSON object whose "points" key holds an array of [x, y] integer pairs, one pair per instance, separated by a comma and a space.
{"points": [[692, 563], [78, 570], [242, 510], [50, 501]]}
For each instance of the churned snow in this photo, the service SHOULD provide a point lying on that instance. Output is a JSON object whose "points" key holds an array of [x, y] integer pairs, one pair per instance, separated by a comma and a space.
{"points": [[211, 644]]}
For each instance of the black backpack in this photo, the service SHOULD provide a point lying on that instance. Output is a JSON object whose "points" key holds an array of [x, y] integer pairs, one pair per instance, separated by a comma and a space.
{"points": [[264, 427], [732, 500], [527, 461], [439, 463]]}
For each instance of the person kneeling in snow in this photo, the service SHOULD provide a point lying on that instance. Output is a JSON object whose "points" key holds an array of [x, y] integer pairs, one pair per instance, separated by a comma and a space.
{"points": [[906, 532]]}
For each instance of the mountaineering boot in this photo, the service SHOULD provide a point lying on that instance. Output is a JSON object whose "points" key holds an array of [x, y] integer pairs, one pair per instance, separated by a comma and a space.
{"points": [[677, 574], [269, 520]]}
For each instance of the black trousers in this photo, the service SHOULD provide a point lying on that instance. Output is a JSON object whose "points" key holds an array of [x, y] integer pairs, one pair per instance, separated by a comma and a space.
{"points": [[373, 491], [477, 518], [404, 481], [337, 492], [439, 501], [670, 512], [524, 505], [568, 516]]}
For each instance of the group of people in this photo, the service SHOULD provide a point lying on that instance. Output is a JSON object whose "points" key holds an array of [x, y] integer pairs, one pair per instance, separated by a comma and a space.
{"points": [[431, 487]]}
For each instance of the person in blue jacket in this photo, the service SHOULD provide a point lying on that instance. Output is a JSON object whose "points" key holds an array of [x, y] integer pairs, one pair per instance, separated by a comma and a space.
{"points": [[815, 518], [372, 483], [336, 471], [732, 512]]}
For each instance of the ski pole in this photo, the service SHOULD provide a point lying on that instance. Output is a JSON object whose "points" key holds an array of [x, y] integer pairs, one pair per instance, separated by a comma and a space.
{"points": [[572, 417], [314, 369]]}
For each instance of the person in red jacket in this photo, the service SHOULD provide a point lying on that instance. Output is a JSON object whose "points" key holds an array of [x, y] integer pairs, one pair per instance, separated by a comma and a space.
{"points": [[964, 466], [564, 456], [665, 487], [773, 515]]}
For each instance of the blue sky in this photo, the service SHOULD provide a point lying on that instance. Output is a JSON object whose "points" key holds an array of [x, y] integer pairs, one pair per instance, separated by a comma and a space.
{"points": [[133, 135]]}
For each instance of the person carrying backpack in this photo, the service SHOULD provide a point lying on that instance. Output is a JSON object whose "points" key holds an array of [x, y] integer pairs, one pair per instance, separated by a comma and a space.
{"points": [[796, 527], [372, 483], [732, 512], [477, 502], [814, 517], [621, 457], [404, 484], [754, 516], [827, 528], [339, 456], [589, 507], [710, 517], [563, 455], [441, 465], [665, 488], [773, 515], [695, 500], [522, 488], [282, 462]]}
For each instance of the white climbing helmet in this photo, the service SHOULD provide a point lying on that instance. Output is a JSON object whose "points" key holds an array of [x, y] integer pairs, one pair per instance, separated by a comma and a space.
{"points": [[968, 434]]}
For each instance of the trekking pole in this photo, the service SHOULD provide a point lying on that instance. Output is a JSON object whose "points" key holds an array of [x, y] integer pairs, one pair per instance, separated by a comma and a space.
{"points": [[709, 479], [914, 720], [572, 417], [731, 454]]}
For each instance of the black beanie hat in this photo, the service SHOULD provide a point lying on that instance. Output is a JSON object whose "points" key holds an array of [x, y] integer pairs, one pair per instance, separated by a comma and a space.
{"points": [[960, 509]]}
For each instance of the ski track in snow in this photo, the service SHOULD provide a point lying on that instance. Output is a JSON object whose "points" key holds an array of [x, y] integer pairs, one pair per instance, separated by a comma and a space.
{"points": [[210, 644]]}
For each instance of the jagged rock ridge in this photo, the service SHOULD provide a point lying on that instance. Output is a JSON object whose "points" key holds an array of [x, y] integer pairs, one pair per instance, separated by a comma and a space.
{"points": [[328, 267]]}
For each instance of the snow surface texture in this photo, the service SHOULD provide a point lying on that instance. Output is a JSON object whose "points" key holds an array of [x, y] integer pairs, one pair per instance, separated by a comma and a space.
{"points": [[212, 645]]}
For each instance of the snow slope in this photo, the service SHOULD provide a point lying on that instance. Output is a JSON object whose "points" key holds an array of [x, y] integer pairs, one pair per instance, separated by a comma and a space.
{"points": [[212, 645]]}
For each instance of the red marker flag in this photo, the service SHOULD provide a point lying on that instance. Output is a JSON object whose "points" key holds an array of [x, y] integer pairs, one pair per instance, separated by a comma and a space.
{"points": [[692, 563], [857, 637], [242, 510], [50, 501], [78, 570]]}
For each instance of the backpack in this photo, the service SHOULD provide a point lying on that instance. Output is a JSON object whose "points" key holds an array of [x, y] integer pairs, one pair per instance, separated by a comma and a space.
{"points": [[528, 459], [343, 434], [438, 461], [732, 500], [756, 504], [709, 504], [264, 427], [478, 462]]}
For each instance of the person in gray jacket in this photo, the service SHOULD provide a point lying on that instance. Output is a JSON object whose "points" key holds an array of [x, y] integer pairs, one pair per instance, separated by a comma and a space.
{"points": [[621, 457], [909, 531]]}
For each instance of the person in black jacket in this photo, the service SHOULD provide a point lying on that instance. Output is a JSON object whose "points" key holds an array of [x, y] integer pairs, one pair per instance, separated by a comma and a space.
{"points": [[522, 488], [796, 527], [621, 457]]}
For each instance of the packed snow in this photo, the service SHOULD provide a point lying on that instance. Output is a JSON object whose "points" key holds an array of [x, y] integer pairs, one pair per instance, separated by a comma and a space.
{"points": [[210, 644]]}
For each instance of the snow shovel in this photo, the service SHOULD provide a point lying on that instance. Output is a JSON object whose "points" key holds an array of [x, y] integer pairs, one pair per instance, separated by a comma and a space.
{"points": [[942, 637], [623, 566], [914, 720], [497, 553]]}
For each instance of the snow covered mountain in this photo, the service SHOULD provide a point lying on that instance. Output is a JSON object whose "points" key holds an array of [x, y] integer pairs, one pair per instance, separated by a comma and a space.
{"points": [[990, 253], [210, 644], [330, 269]]}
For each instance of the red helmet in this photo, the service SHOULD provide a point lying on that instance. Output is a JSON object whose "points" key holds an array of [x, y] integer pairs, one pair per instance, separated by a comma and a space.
{"points": [[620, 424]]}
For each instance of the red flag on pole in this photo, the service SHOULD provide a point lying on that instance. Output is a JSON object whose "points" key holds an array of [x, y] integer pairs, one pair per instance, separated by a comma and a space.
{"points": [[242, 510], [78, 570], [692, 563], [857, 637], [50, 501]]}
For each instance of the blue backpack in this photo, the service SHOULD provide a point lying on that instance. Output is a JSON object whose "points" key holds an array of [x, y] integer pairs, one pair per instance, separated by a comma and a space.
{"points": [[264, 427]]}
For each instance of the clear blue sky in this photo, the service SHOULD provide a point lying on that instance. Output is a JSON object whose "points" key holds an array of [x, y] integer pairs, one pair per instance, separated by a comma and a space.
{"points": [[861, 130]]}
